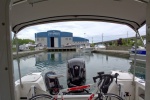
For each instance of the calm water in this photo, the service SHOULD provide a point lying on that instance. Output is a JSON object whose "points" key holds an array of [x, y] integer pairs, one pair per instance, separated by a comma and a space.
{"points": [[56, 62]]}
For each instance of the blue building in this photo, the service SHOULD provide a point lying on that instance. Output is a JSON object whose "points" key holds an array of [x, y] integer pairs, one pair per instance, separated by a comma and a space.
{"points": [[56, 38]]}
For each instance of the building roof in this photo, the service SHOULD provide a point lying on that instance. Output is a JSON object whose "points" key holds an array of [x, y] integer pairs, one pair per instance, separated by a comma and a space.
{"points": [[79, 39], [54, 33]]}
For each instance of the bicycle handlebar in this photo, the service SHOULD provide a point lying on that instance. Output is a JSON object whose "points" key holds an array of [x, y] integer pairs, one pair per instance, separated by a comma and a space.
{"points": [[99, 76], [94, 78], [100, 73], [107, 79], [116, 76]]}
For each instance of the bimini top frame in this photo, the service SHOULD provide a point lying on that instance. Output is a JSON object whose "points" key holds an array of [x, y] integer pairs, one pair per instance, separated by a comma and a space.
{"points": [[32, 12]]}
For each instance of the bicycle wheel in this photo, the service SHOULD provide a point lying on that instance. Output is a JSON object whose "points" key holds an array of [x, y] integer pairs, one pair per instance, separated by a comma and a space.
{"points": [[42, 97], [109, 96]]}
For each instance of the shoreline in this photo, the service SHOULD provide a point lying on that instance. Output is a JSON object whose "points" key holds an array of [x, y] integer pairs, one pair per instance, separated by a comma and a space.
{"points": [[26, 53], [115, 53]]}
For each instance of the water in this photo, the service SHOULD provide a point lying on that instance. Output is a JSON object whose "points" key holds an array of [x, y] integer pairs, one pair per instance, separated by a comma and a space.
{"points": [[56, 62], [139, 70]]}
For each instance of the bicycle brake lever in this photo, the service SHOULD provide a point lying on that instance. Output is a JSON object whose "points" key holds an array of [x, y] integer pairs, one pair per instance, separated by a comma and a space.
{"points": [[115, 76], [94, 78]]}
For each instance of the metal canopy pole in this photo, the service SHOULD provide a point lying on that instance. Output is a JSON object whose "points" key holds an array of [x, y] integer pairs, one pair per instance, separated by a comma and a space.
{"points": [[18, 60], [6, 65], [147, 87], [134, 65], [141, 38]]}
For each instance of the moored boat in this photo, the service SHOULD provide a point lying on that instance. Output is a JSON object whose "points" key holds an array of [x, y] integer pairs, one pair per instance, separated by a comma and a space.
{"points": [[140, 54]]}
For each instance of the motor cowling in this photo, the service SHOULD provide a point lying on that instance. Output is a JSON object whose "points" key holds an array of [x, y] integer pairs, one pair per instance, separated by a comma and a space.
{"points": [[76, 74], [52, 83]]}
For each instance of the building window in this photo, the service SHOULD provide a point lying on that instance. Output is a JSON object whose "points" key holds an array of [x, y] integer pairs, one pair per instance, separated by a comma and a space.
{"points": [[69, 38], [66, 38], [37, 39]]}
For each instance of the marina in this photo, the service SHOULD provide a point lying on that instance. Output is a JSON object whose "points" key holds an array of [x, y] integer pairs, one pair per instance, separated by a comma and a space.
{"points": [[73, 75], [57, 62]]}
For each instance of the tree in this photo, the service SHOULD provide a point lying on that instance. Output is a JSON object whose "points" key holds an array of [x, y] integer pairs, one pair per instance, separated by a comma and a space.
{"points": [[92, 45], [23, 41], [120, 42]]}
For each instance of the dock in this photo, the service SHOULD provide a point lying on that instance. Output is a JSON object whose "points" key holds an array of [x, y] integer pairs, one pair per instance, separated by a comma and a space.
{"points": [[116, 53], [26, 53], [63, 49]]}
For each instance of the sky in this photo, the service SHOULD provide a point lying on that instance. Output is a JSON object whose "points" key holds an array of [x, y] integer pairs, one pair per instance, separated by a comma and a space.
{"points": [[86, 29]]}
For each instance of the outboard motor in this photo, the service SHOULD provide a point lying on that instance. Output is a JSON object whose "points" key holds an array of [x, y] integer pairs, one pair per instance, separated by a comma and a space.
{"points": [[76, 74], [52, 82]]}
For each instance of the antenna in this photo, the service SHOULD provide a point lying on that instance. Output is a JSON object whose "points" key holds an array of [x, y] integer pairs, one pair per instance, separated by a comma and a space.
{"points": [[127, 37], [84, 39], [102, 38]]}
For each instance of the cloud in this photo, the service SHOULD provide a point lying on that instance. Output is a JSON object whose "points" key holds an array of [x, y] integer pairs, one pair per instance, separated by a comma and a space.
{"points": [[93, 30]]}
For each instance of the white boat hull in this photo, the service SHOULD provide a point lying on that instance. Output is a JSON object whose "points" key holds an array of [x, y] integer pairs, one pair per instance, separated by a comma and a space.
{"points": [[124, 78], [87, 50], [139, 58]]}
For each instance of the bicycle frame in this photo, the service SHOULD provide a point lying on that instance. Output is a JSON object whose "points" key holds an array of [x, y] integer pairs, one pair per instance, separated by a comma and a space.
{"points": [[96, 85]]}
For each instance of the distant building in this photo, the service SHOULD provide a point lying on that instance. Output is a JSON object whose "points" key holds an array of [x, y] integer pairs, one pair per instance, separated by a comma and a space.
{"points": [[80, 41], [56, 38]]}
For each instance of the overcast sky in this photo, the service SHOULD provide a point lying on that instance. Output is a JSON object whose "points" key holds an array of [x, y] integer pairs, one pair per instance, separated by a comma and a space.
{"points": [[93, 30]]}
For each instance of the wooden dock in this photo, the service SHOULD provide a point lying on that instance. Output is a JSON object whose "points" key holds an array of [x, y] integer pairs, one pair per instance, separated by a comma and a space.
{"points": [[117, 53], [61, 49], [26, 53]]}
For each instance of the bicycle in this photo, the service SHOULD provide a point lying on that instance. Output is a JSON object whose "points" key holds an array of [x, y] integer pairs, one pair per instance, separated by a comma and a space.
{"points": [[103, 83]]}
